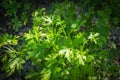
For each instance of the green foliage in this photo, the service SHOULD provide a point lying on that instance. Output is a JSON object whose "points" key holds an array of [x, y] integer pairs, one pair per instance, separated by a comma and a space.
{"points": [[58, 47], [24, 18], [65, 43], [6, 39], [10, 59], [16, 23], [12, 8]]}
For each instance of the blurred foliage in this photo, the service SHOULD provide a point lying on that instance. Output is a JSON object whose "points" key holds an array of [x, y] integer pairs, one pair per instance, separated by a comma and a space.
{"points": [[68, 41]]}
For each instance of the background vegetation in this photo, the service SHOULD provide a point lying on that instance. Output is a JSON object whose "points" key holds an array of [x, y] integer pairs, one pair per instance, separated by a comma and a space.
{"points": [[60, 40]]}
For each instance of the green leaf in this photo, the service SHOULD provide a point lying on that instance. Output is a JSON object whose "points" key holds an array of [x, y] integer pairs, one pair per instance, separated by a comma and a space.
{"points": [[80, 59], [93, 37], [4, 59], [46, 75], [67, 53], [16, 23], [24, 18]]}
